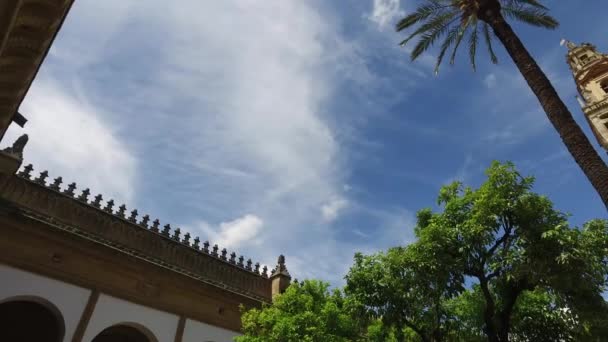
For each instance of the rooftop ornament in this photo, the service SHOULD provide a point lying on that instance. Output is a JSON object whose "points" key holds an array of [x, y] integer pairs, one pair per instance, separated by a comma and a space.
{"points": [[144, 223]]}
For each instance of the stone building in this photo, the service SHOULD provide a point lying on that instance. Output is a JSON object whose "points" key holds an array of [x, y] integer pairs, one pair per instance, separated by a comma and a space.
{"points": [[77, 267], [590, 71]]}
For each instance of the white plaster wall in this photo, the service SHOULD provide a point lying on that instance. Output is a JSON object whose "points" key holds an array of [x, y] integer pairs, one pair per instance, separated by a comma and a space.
{"points": [[69, 299], [110, 311], [196, 331]]}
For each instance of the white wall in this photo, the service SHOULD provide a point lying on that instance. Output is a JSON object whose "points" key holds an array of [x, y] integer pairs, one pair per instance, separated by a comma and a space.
{"points": [[69, 299], [110, 311], [196, 331]]}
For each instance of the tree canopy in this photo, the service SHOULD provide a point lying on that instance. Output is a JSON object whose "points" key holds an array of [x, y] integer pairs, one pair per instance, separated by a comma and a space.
{"points": [[495, 263], [305, 312]]}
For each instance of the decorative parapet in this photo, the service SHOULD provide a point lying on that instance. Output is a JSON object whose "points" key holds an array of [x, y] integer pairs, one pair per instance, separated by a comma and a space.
{"points": [[166, 247]]}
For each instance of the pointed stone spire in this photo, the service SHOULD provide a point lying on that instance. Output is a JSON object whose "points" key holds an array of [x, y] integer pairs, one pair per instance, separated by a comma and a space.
{"points": [[18, 146], [56, 184], [27, 171], [186, 240], [155, 225], [97, 201], [144, 221], [280, 277], [109, 206], [84, 196], [70, 189], [167, 230], [196, 242], [42, 178], [121, 211], [570, 45], [176, 234], [133, 217]]}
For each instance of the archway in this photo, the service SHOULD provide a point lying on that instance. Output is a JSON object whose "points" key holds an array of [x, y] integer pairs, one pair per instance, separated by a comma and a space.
{"points": [[125, 333], [30, 319]]}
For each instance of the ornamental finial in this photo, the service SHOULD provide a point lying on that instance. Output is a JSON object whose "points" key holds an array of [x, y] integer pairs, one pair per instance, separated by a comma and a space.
{"points": [[570, 45]]}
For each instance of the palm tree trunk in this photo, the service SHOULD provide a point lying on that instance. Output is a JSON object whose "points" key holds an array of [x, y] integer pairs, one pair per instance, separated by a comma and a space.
{"points": [[571, 134]]}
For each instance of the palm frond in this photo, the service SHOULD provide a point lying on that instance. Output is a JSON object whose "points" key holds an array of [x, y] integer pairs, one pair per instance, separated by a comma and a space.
{"points": [[488, 38], [473, 43], [427, 40], [439, 21], [531, 16], [462, 29], [447, 42], [422, 13]]}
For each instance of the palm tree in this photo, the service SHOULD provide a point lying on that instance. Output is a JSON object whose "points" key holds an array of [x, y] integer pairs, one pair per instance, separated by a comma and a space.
{"points": [[452, 20]]}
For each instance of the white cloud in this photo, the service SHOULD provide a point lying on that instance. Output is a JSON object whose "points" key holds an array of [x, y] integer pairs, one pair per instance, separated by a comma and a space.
{"points": [[384, 12], [234, 234], [228, 102], [331, 209], [68, 138]]}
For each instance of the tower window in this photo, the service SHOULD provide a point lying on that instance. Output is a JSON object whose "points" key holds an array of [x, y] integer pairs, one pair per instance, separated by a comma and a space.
{"points": [[604, 86], [584, 57]]}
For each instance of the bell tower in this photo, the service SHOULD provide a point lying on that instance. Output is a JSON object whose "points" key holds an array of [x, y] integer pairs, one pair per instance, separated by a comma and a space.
{"points": [[590, 71]]}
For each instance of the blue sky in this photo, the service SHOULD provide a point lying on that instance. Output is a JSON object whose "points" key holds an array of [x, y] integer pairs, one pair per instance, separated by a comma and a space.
{"points": [[294, 127]]}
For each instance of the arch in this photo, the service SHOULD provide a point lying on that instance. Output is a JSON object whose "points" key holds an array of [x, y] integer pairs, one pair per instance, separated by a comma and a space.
{"points": [[125, 332], [30, 318]]}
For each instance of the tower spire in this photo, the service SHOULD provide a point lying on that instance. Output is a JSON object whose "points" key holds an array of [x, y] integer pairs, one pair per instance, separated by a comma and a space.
{"points": [[570, 45]]}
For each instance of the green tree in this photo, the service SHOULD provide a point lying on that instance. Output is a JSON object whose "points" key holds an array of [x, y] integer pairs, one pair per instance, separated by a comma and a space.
{"points": [[452, 20], [406, 289], [307, 312], [537, 316], [510, 240], [495, 263]]}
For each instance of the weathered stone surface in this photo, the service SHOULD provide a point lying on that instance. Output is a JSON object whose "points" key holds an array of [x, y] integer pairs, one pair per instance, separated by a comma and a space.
{"points": [[84, 219]]}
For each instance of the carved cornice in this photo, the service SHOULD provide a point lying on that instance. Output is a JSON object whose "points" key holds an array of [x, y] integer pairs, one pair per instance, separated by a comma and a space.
{"points": [[166, 248], [27, 31], [592, 109]]}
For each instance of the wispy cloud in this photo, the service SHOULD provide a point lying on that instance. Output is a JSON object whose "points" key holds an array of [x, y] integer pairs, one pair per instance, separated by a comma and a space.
{"points": [[331, 209], [385, 12], [69, 138], [215, 115]]}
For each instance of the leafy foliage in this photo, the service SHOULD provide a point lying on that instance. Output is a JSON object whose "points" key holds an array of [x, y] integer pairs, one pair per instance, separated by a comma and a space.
{"points": [[305, 312], [510, 240], [496, 263], [406, 289], [452, 20]]}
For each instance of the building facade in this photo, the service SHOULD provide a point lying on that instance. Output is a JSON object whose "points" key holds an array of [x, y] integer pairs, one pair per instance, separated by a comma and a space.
{"points": [[78, 267], [590, 71]]}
